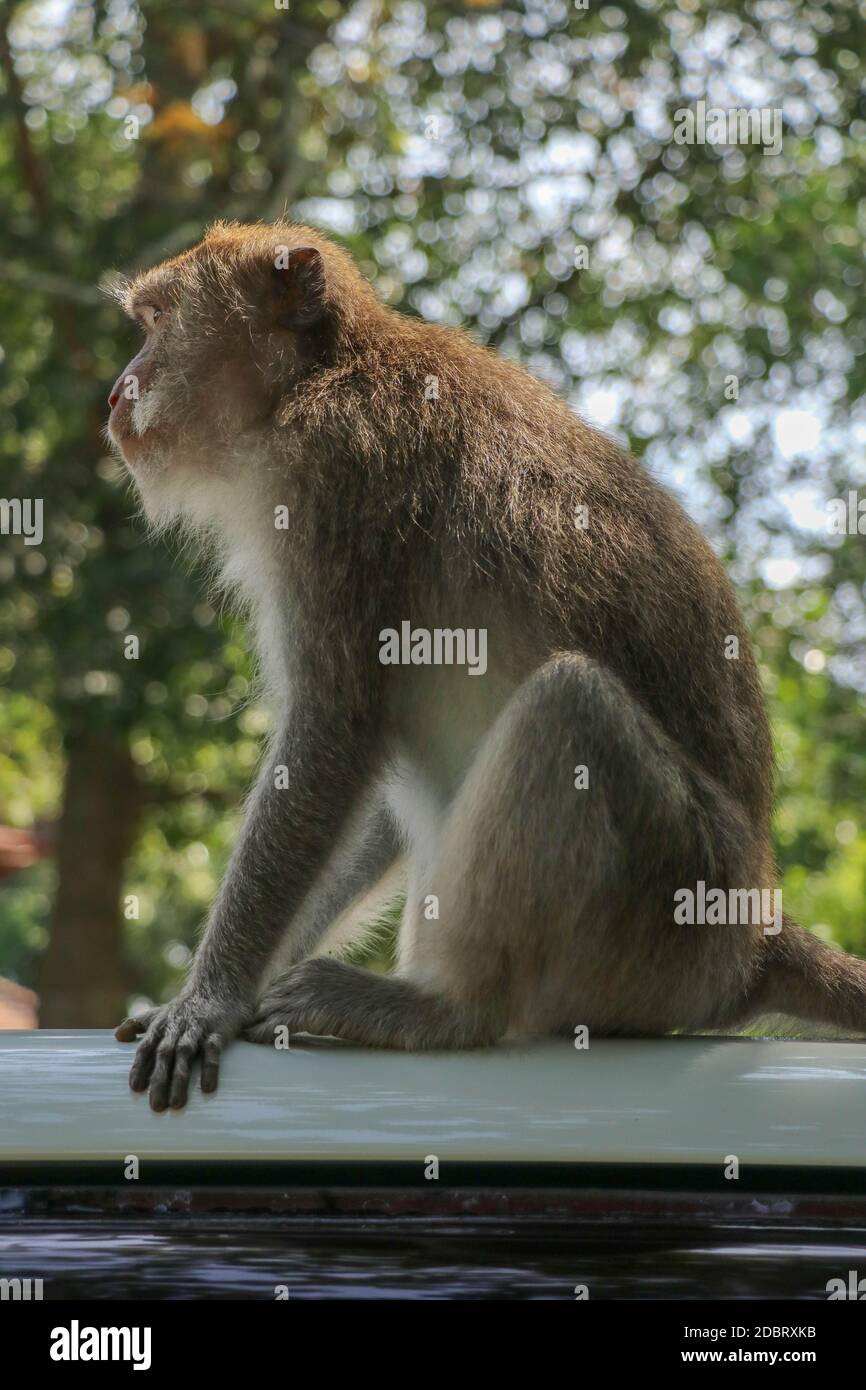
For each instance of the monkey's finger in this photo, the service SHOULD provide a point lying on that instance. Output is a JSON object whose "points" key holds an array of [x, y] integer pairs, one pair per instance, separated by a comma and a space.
{"points": [[161, 1076], [142, 1066], [210, 1061], [183, 1059], [132, 1028], [258, 1030]]}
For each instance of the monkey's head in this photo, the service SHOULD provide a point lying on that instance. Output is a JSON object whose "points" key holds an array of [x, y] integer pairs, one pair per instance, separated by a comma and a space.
{"points": [[229, 328]]}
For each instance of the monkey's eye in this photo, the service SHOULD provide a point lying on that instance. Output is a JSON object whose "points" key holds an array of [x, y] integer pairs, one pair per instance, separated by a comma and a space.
{"points": [[148, 314]]}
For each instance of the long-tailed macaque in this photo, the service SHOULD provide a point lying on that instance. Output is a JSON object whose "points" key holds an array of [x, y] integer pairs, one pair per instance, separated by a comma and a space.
{"points": [[495, 648]]}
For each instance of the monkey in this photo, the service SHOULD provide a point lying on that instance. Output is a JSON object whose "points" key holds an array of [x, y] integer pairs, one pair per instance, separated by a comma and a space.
{"points": [[372, 489]]}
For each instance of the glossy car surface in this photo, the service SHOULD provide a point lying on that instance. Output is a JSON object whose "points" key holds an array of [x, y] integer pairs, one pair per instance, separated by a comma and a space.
{"points": [[678, 1168]]}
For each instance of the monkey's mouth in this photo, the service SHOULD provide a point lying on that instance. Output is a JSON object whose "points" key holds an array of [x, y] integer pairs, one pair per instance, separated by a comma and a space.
{"points": [[132, 447], [129, 448]]}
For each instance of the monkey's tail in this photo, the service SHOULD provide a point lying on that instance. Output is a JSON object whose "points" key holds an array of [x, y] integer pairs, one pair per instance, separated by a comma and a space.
{"points": [[808, 979]]}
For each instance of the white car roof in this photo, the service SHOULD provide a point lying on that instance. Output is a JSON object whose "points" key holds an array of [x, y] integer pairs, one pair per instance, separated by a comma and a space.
{"points": [[671, 1101]]}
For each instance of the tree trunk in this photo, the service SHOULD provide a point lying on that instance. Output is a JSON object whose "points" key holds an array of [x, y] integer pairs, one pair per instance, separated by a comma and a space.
{"points": [[83, 979]]}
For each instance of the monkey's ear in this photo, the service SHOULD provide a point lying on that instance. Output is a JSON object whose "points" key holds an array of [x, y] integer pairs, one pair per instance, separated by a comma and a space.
{"points": [[298, 286]]}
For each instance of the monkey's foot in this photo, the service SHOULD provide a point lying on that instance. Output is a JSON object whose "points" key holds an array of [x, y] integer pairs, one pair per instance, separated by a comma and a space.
{"points": [[333, 999], [297, 1002]]}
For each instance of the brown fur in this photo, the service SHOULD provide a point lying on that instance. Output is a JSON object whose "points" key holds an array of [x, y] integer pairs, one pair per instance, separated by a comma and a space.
{"points": [[608, 643]]}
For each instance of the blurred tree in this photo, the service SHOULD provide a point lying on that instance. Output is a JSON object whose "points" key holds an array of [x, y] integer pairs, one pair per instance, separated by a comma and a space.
{"points": [[105, 161], [466, 152]]}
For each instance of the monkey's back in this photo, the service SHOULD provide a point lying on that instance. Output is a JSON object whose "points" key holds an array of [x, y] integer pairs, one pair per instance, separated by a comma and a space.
{"points": [[622, 573], [569, 524], [502, 490]]}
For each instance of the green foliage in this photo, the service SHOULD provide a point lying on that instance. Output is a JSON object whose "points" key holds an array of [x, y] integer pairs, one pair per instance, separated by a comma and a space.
{"points": [[550, 130]]}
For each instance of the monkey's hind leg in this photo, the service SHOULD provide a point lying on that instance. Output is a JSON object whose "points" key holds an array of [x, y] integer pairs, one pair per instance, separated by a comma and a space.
{"points": [[553, 905], [330, 998]]}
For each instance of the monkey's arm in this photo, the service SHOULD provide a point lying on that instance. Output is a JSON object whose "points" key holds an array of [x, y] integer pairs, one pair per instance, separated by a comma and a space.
{"points": [[316, 773], [349, 890]]}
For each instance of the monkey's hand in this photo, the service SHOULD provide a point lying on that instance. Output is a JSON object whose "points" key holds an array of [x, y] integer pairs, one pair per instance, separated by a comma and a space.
{"points": [[194, 1025]]}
